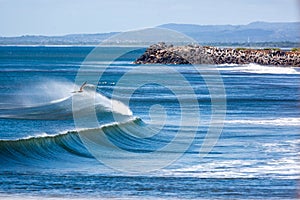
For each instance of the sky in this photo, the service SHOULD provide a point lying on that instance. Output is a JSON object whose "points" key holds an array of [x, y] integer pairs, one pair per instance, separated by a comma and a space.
{"points": [[60, 17]]}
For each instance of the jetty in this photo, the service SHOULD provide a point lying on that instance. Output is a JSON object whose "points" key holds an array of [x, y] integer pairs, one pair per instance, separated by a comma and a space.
{"points": [[162, 53]]}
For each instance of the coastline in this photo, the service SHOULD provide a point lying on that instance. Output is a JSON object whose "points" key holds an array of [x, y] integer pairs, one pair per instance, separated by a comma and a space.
{"points": [[162, 53]]}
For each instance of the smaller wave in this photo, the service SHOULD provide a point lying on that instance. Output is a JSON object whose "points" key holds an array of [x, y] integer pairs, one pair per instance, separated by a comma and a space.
{"points": [[273, 122], [57, 102], [258, 69]]}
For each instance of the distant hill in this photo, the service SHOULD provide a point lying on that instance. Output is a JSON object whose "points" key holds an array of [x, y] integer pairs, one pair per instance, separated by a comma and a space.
{"points": [[72, 39], [267, 34], [253, 32]]}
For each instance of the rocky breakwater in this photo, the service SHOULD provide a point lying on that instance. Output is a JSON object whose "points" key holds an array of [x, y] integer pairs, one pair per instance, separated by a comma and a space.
{"points": [[195, 54]]}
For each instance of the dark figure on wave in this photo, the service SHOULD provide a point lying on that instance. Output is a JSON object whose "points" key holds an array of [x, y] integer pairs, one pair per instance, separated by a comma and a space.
{"points": [[81, 88]]}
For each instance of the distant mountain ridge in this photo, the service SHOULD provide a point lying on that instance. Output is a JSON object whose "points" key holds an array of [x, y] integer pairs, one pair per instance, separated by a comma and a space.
{"points": [[254, 32]]}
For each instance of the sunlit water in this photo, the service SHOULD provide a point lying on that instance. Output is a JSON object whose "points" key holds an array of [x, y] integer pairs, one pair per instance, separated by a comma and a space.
{"points": [[42, 155]]}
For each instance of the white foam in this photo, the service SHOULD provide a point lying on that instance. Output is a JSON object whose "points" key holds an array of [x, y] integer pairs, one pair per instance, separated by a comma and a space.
{"points": [[59, 100], [273, 122], [284, 168], [227, 65], [38, 135], [113, 105], [258, 69], [286, 165]]}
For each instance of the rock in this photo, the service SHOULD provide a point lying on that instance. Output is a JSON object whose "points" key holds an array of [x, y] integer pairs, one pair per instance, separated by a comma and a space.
{"points": [[194, 54]]}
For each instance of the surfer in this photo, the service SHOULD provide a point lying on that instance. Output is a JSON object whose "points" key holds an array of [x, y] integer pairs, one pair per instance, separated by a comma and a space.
{"points": [[81, 88]]}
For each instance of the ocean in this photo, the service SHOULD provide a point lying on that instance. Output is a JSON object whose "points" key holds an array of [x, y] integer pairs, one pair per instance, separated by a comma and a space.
{"points": [[144, 131]]}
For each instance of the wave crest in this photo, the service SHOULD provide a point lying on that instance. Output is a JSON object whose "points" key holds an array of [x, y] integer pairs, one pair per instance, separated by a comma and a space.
{"points": [[65, 147]]}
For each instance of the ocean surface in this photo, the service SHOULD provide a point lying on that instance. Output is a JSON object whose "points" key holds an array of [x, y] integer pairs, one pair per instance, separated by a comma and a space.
{"points": [[50, 149]]}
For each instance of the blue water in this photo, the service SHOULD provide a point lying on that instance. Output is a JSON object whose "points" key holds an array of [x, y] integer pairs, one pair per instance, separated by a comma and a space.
{"points": [[43, 154]]}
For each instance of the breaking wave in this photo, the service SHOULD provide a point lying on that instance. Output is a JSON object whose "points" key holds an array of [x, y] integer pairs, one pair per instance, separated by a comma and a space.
{"points": [[68, 148], [58, 104]]}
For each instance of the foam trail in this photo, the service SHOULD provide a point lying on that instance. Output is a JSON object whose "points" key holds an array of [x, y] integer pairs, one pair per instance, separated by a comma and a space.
{"points": [[258, 69], [273, 122]]}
